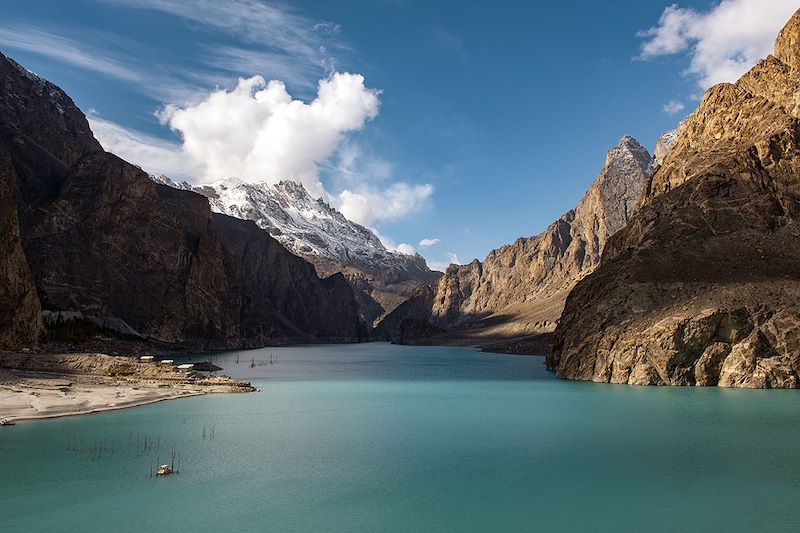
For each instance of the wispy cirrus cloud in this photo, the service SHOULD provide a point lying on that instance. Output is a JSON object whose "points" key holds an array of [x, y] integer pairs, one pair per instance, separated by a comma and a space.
{"points": [[235, 60], [292, 47], [240, 37], [120, 61], [66, 50], [251, 20]]}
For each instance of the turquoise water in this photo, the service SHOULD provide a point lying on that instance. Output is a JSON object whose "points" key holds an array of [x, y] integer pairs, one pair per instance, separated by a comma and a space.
{"points": [[384, 438]]}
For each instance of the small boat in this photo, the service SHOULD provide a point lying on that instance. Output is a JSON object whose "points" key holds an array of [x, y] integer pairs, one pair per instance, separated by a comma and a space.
{"points": [[163, 470], [7, 422]]}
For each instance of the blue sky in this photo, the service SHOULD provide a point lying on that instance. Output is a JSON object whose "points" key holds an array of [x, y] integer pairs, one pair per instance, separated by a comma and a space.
{"points": [[475, 123]]}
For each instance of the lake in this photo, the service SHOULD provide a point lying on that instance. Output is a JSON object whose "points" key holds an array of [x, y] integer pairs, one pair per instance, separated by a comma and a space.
{"points": [[376, 437]]}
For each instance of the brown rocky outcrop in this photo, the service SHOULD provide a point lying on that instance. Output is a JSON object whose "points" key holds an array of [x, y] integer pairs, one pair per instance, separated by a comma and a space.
{"points": [[702, 286], [416, 309], [519, 289], [99, 238], [379, 290]]}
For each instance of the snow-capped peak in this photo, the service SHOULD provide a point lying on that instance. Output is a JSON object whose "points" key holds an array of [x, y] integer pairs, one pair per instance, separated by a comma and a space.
{"points": [[307, 226]]}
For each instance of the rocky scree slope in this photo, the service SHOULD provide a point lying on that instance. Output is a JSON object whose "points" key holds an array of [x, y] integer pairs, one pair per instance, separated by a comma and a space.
{"points": [[312, 229], [703, 285], [519, 289], [87, 234]]}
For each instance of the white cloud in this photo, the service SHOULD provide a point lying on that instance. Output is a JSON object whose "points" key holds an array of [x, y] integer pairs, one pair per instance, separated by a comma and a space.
{"points": [[721, 43], [258, 132], [427, 243], [441, 266], [369, 205], [366, 194], [154, 155], [673, 107], [402, 248]]}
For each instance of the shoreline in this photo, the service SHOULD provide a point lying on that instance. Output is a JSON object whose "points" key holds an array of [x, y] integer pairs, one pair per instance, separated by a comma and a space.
{"points": [[536, 344], [60, 385], [98, 410]]}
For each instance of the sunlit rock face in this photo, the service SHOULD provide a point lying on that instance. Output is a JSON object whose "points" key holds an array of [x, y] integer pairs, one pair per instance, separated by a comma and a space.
{"points": [[519, 289], [702, 286]]}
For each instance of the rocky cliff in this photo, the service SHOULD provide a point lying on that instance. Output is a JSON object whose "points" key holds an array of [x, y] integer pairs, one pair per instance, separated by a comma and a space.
{"points": [[314, 230], [20, 313], [95, 237], [702, 286], [520, 289]]}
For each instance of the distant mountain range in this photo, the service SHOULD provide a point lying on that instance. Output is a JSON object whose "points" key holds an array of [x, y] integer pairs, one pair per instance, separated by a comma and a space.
{"points": [[314, 230]]}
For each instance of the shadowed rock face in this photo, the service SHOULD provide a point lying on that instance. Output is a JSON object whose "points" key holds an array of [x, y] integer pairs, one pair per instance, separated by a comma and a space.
{"points": [[382, 279], [702, 286], [99, 237], [20, 322], [520, 289]]}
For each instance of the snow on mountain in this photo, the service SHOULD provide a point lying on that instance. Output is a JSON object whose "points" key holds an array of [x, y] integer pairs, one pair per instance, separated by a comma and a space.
{"points": [[381, 279], [308, 227], [664, 144]]}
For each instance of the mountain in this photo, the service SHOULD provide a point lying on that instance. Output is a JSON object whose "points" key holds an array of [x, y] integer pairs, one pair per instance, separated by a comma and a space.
{"points": [[314, 230], [91, 245], [702, 287], [664, 144], [519, 289]]}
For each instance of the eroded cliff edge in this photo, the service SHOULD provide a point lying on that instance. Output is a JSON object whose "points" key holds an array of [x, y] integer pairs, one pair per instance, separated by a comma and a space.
{"points": [[702, 287]]}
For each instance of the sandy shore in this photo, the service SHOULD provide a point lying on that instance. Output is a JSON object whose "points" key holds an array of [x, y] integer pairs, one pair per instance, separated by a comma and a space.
{"points": [[47, 386]]}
